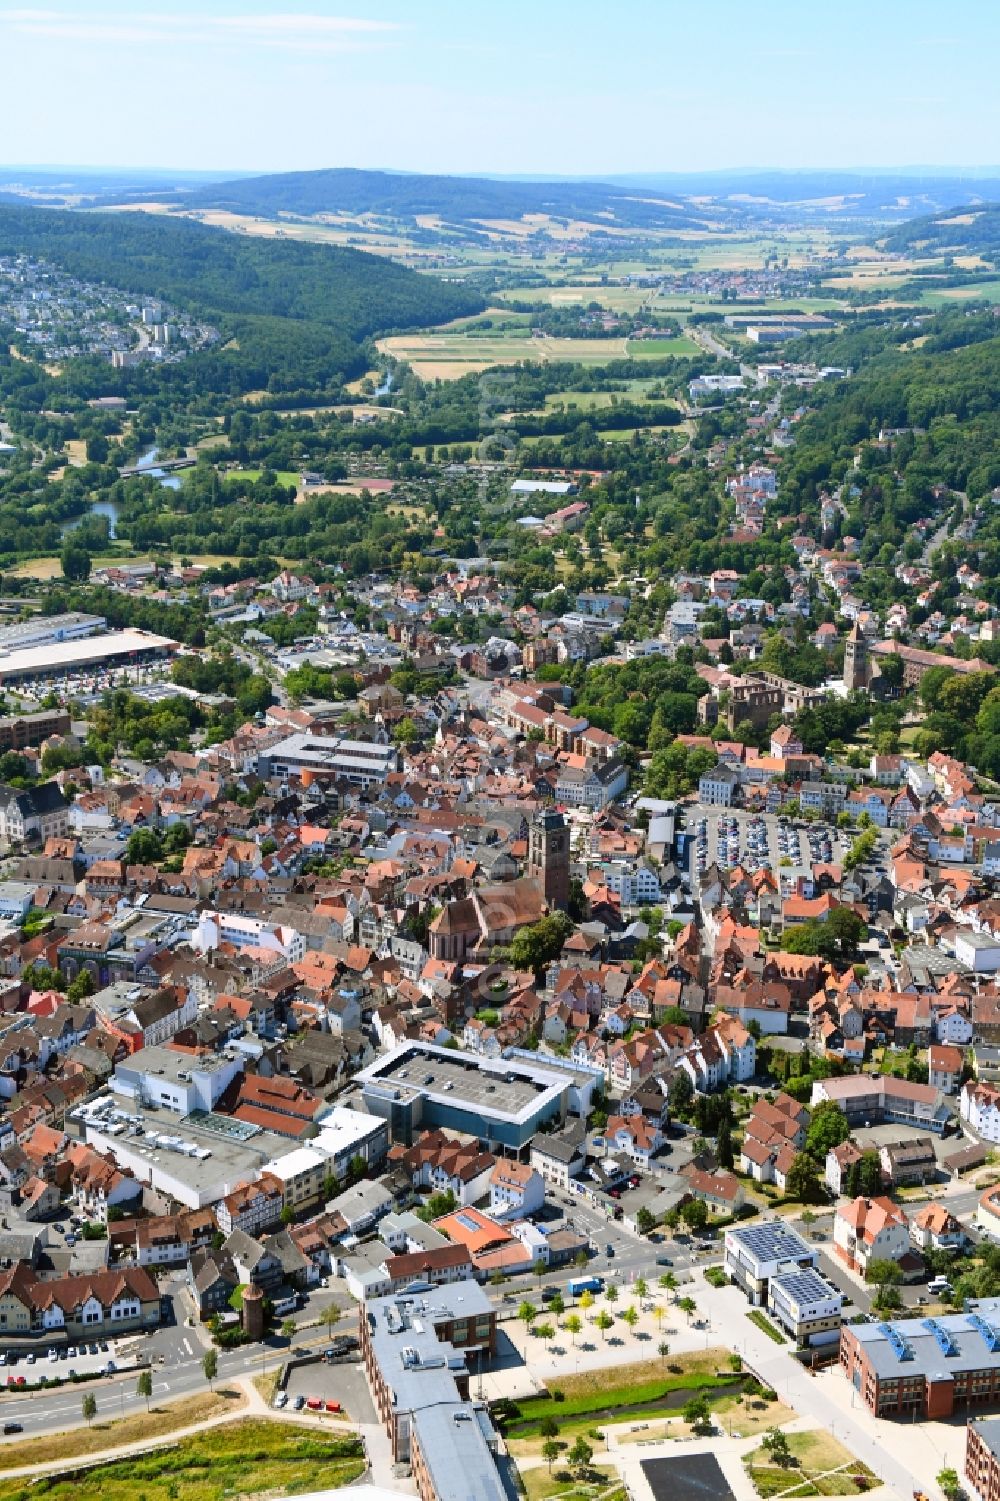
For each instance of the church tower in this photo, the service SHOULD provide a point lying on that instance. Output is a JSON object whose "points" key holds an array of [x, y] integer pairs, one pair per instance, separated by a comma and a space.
{"points": [[857, 668], [548, 857]]}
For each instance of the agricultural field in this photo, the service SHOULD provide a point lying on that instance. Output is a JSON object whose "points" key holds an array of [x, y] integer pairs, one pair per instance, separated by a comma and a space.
{"points": [[447, 355]]}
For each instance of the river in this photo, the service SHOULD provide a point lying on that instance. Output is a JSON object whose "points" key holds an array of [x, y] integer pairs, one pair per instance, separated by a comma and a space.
{"points": [[147, 463]]}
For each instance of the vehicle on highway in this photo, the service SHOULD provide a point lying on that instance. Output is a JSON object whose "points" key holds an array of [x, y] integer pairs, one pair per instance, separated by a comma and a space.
{"points": [[13, 1428], [664, 1261], [609, 1251]]}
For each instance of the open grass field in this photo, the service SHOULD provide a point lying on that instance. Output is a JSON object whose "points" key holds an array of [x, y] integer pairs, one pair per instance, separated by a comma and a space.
{"points": [[601, 1484], [161, 1420], [448, 355], [254, 1457], [646, 1381], [283, 476], [821, 1467]]}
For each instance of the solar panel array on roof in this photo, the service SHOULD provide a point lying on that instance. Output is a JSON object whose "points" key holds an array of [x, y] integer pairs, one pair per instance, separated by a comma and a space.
{"points": [[902, 1349], [946, 1343], [989, 1332]]}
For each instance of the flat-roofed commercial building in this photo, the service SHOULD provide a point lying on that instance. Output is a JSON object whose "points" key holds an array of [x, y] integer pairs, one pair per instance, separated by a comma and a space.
{"points": [[319, 758], [878, 1099], [982, 1458], [756, 1253], [806, 1306], [501, 1101], [926, 1368], [414, 1350], [56, 659]]}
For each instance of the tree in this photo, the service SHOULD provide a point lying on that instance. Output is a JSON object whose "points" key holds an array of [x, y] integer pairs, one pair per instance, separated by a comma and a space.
{"points": [[557, 1305], [630, 1317], [724, 1146], [869, 1175], [776, 1444], [581, 1454], [681, 1093], [687, 1306], [668, 1282], [287, 1215], [580, 1259], [89, 1406], [694, 1213], [80, 987], [548, 1428], [144, 1386], [538, 944], [210, 1366], [586, 1299], [545, 1332], [331, 1317], [75, 562], [611, 1293], [540, 1268], [827, 1129], [645, 1220], [802, 1181], [663, 1349], [527, 1313], [950, 1483], [698, 1415], [604, 1321], [641, 1288], [550, 1452], [438, 1205], [574, 1324], [406, 732], [885, 1276], [288, 1328]]}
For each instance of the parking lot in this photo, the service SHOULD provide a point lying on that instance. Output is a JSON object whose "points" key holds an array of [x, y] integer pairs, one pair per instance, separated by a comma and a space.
{"points": [[320, 1382], [58, 1363], [757, 841]]}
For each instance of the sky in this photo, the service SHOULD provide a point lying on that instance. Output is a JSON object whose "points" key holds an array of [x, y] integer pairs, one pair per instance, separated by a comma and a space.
{"points": [[584, 87]]}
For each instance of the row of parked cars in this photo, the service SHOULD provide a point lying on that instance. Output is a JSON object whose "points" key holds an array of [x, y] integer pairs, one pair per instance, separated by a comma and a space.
{"points": [[313, 1404]]}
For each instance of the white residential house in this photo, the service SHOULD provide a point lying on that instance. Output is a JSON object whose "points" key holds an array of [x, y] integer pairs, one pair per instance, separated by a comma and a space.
{"points": [[870, 1230], [516, 1189]]}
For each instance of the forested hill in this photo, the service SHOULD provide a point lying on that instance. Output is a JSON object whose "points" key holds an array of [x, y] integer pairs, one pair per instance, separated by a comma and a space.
{"points": [[216, 272], [454, 199], [974, 229], [945, 394]]}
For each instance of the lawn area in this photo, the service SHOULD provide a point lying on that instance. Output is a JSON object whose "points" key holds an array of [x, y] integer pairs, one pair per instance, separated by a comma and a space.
{"points": [[821, 1467], [161, 1420], [602, 1485], [764, 1324], [283, 476], [601, 1391], [250, 1458]]}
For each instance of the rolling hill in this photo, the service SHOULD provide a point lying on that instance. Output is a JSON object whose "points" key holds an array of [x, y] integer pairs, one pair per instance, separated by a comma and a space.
{"points": [[970, 230], [457, 200], [273, 297]]}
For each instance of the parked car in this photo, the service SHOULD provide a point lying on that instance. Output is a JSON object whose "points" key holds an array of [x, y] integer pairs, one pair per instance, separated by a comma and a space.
{"points": [[13, 1428], [299, 1402], [281, 1400]]}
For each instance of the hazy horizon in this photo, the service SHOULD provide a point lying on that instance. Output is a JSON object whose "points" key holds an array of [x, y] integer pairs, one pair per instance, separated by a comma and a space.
{"points": [[264, 85]]}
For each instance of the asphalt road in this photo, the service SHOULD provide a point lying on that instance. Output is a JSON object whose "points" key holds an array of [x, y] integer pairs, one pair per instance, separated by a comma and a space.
{"points": [[177, 1349]]}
